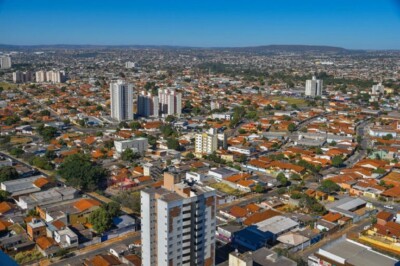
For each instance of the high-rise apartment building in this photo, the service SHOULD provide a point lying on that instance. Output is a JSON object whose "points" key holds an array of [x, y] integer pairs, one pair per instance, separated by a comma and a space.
{"points": [[178, 224], [22, 77], [54, 76], [147, 104], [5, 62], [121, 94], [378, 88], [40, 76], [170, 102], [313, 87], [207, 142]]}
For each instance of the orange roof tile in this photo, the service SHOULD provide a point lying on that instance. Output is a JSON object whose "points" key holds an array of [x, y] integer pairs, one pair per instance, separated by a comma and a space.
{"points": [[260, 216], [44, 242], [238, 212], [84, 204], [5, 207], [40, 182]]}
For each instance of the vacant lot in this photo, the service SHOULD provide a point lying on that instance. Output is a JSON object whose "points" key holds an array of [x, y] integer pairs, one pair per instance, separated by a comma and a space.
{"points": [[226, 189], [290, 100]]}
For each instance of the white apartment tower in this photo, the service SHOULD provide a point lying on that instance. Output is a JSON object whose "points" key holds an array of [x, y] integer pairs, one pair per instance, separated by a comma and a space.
{"points": [[40, 76], [178, 224], [147, 104], [170, 102], [5, 62], [22, 77], [378, 88], [207, 142], [121, 94], [313, 87]]}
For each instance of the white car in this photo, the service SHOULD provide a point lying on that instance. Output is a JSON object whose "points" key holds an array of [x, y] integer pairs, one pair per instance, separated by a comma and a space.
{"points": [[388, 207]]}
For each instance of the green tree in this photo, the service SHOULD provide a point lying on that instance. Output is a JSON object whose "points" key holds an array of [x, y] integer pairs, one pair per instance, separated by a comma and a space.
{"points": [[47, 133], [4, 195], [173, 143], [282, 179], [129, 200], [129, 155], [337, 161], [328, 186], [259, 188], [189, 155], [100, 220], [170, 118], [17, 152], [291, 127], [42, 162], [135, 125], [8, 173], [79, 171]]}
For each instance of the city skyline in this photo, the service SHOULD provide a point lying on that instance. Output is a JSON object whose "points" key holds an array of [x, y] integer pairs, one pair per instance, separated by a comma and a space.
{"points": [[354, 25]]}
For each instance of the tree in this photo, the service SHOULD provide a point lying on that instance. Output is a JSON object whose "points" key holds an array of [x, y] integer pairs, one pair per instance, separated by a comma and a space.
{"points": [[45, 113], [17, 152], [100, 220], [80, 172], [291, 127], [337, 161], [173, 143], [112, 208], [295, 176], [129, 155], [4, 195], [135, 125], [259, 188], [47, 133], [282, 179], [170, 118], [328, 186], [8, 173], [42, 162], [189, 155], [129, 200]]}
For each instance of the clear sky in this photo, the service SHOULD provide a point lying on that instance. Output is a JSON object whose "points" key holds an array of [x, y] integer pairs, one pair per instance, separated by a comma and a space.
{"points": [[358, 24]]}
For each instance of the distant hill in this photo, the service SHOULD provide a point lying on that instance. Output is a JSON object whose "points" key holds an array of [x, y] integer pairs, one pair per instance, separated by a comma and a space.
{"points": [[289, 48], [265, 49]]}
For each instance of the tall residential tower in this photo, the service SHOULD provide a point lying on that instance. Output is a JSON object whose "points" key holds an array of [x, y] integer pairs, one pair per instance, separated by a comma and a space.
{"points": [[178, 224], [121, 94], [313, 87]]}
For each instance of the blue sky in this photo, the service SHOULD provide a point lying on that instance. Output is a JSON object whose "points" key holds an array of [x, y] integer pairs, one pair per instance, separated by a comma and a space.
{"points": [[357, 24]]}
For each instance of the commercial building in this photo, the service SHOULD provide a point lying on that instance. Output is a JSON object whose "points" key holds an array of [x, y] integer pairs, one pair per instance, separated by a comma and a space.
{"points": [[121, 94], [170, 102], [5, 62], [178, 224], [147, 104], [348, 252], [313, 87], [138, 145], [207, 142]]}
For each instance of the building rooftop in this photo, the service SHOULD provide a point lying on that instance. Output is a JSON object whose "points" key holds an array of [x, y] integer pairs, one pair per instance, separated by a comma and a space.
{"points": [[352, 253], [276, 224]]}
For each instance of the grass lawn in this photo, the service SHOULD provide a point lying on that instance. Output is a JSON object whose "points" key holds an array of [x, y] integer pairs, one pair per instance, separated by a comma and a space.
{"points": [[226, 189], [27, 256], [20, 140], [7, 85], [298, 101]]}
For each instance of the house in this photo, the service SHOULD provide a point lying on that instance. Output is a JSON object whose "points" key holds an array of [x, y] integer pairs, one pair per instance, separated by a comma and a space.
{"points": [[36, 228], [294, 241], [66, 238], [5, 208], [21, 186], [84, 208], [47, 246]]}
